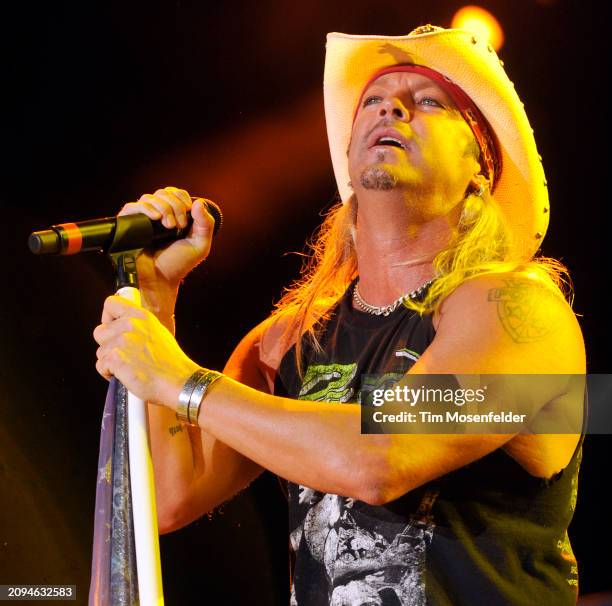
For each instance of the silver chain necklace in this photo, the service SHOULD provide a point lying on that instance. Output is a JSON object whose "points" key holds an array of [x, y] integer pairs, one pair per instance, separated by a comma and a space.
{"points": [[388, 309]]}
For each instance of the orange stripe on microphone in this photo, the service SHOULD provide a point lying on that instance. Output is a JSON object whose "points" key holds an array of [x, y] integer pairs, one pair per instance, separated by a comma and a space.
{"points": [[73, 236]]}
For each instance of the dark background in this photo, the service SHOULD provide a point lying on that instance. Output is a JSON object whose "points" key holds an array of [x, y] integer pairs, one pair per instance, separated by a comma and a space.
{"points": [[111, 100]]}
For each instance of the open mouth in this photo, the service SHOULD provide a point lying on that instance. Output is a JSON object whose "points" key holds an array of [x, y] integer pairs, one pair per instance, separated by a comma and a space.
{"points": [[387, 141]]}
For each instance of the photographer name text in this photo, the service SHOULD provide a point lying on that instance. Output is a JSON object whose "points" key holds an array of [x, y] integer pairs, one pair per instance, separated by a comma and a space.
{"points": [[425, 416]]}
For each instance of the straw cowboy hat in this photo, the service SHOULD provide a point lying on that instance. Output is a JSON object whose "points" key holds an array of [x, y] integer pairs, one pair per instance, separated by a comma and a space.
{"points": [[470, 63]]}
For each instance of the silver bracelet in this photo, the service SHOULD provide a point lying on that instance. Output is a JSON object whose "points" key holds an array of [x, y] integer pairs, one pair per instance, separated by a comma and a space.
{"points": [[199, 393], [182, 410], [192, 394]]}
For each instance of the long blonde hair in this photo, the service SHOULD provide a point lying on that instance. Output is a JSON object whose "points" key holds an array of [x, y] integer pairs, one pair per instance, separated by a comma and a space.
{"points": [[482, 244]]}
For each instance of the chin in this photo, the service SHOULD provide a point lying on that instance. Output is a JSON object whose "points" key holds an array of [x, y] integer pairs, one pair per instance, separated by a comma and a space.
{"points": [[378, 178]]}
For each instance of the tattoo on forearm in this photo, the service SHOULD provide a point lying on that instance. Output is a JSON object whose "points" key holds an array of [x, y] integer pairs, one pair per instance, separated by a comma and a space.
{"points": [[523, 310], [174, 430]]}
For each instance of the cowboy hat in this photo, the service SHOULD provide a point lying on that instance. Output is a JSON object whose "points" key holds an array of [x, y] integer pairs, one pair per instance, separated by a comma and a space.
{"points": [[469, 62]]}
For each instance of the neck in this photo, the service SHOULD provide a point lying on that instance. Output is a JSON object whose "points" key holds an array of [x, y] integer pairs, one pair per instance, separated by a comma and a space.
{"points": [[395, 248]]}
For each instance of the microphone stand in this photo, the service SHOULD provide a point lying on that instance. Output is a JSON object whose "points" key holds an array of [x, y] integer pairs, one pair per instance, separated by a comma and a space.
{"points": [[123, 240], [142, 483]]}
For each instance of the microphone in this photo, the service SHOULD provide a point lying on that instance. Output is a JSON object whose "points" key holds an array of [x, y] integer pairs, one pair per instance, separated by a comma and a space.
{"points": [[112, 234]]}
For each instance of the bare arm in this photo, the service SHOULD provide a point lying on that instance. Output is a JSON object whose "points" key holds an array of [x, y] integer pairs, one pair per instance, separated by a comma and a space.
{"points": [[171, 449], [195, 471], [497, 324], [218, 472], [320, 444]]}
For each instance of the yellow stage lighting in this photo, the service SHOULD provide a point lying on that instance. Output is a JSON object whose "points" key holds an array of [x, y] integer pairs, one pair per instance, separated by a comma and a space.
{"points": [[481, 22]]}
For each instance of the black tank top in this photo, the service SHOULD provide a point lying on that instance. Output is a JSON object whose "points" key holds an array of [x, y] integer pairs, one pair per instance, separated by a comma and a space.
{"points": [[488, 533]]}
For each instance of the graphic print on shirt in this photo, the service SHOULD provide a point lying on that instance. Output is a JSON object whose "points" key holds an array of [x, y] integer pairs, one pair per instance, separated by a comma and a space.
{"points": [[407, 353], [328, 382], [366, 560], [371, 383]]}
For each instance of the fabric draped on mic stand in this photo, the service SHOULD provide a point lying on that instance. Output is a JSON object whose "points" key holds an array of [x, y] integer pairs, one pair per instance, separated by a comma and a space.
{"points": [[114, 580]]}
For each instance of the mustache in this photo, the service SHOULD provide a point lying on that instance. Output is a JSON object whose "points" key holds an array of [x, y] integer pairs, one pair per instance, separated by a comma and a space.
{"points": [[384, 122]]}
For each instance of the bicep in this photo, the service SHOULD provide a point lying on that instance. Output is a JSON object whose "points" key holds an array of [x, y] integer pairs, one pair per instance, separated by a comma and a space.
{"points": [[513, 334], [505, 323], [495, 325]]}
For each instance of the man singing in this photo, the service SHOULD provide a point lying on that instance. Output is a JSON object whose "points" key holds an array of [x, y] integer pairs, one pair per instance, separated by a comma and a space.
{"points": [[425, 266]]}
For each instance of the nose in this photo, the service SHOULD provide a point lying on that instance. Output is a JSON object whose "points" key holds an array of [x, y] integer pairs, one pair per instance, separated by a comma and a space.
{"points": [[392, 106]]}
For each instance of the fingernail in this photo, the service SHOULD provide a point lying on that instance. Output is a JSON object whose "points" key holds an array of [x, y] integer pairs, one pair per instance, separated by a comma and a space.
{"points": [[170, 222], [155, 214], [182, 220]]}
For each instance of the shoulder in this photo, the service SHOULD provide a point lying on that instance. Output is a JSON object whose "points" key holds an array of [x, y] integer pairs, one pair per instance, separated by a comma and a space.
{"points": [[281, 330], [256, 358], [521, 299], [278, 333], [513, 315], [262, 349]]}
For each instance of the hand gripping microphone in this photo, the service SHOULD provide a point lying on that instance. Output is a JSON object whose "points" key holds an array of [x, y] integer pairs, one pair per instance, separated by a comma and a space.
{"points": [[112, 234]]}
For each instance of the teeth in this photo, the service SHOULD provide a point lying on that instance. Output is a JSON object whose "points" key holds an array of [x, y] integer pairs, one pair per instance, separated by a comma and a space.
{"points": [[389, 140]]}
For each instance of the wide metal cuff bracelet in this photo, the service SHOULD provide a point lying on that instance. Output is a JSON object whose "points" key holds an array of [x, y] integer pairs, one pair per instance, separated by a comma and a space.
{"points": [[184, 398], [198, 394]]}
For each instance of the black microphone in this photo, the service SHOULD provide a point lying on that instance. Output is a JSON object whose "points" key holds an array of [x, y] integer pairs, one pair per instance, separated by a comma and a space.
{"points": [[112, 234]]}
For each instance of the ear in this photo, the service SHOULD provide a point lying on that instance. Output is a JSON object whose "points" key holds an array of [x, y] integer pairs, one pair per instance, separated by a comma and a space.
{"points": [[477, 182], [477, 185]]}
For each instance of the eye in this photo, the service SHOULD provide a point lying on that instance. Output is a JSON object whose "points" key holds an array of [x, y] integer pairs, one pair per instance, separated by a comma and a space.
{"points": [[367, 100], [431, 101]]}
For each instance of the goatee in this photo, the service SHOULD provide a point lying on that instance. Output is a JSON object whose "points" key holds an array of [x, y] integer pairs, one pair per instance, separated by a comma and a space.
{"points": [[377, 178]]}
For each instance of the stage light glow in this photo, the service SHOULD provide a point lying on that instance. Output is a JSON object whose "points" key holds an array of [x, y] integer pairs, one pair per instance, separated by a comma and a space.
{"points": [[481, 22]]}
